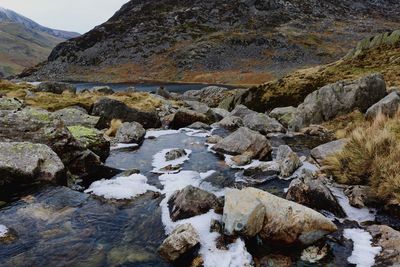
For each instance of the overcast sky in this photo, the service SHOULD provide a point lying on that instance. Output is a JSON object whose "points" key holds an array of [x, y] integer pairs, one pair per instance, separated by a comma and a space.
{"points": [[71, 15]]}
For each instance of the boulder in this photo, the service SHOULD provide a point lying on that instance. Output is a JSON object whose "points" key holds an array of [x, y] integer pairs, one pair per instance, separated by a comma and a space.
{"points": [[360, 195], [199, 126], [55, 87], [262, 123], [288, 161], [39, 126], [191, 201], [92, 139], [161, 91], [323, 151], [220, 113], [284, 115], [211, 95], [185, 117], [106, 90], [214, 139], [389, 240], [251, 211], [203, 109], [245, 140], [130, 132], [175, 154], [7, 103], [339, 98], [109, 109], [314, 194], [182, 241], [28, 163], [230, 123], [241, 111], [243, 159], [74, 116], [388, 106]]}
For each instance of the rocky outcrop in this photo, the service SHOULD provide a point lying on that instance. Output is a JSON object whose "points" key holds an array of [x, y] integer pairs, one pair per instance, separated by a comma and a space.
{"points": [[252, 211], [182, 241], [339, 98], [28, 163], [389, 240], [39, 126], [108, 109], [388, 106], [262, 123], [313, 193], [284, 115], [323, 151], [243, 141], [185, 117], [75, 116], [190, 202], [55, 87], [211, 95], [130, 132], [288, 161], [92, 139]]}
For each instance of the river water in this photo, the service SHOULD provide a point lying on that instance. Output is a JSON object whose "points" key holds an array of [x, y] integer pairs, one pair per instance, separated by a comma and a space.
{"points": [[57, 226]]}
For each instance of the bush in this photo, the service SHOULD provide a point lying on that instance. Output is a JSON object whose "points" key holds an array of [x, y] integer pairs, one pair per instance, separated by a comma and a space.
{"points": [[371, 157]]}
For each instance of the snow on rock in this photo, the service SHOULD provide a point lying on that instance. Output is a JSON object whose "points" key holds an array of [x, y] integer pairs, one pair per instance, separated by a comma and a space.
{"points": [[122, 146], [355, 214], [121, 187], [158, 133], [195, 133], [160, 162], [363, 254], [232, 164], [3, 230]]}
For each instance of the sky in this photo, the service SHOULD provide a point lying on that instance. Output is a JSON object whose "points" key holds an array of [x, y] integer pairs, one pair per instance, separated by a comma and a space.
{"points": [[71, 15]]}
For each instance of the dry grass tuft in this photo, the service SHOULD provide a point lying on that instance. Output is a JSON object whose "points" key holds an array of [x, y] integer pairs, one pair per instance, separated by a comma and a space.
{"points": [[114, 126], [371, 157]]}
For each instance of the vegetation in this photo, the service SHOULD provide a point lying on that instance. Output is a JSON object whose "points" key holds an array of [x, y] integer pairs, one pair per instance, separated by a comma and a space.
{"points": [[114, 126], [371, 157]]}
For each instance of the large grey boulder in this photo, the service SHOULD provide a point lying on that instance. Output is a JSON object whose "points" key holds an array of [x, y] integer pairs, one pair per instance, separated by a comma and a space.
{"points": [[74, 116], [320, 153], [130, 132], [211, 95], [288, 161], [241, 111], [262, 123], [28, 163], [7, 103], [55, 87], [109, 109], [388, 106], [191, 201], [184, 239], [284, 222], [220, 113], [243, 141], [314, 194], [39, 126], [339, 98], [230, 123], [284, 115]]}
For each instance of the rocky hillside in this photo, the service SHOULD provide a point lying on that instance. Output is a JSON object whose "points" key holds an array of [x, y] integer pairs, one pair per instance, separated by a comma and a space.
{"points": [[24, 43], [220, 41]]}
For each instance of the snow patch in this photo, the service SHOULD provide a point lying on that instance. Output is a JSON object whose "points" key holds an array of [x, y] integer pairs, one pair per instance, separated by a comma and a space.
{"points": [[363, 254], [122, 146], [159, 161], [355, 214], [158, 133], [124, 187], [3, 230], [195, 133]]}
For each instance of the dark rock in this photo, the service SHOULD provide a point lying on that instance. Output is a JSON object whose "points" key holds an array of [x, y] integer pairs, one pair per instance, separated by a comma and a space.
{"points": [[175, 154], [190, 202], [388, 106], [55, 87], [106, 90], [109, 109], [199, 126], [185, 117]]}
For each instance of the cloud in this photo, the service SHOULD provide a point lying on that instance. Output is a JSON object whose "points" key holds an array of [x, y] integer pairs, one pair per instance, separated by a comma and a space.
{"points": [[73, 15]]}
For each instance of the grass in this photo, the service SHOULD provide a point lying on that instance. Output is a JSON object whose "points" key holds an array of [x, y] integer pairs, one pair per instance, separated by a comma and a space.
{"points": [[114, 126], [371, 157]]}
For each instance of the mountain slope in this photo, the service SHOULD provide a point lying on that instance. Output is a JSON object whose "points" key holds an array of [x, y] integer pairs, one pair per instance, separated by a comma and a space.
{"points": [[218, 41], [24, 43]]}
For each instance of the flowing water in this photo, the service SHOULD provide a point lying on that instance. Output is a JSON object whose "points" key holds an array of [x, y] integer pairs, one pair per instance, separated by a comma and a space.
{"points": [[57, 226]]}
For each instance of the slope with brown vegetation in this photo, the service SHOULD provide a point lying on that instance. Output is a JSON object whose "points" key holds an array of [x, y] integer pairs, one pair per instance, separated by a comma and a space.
{"points": [[371, 157]]}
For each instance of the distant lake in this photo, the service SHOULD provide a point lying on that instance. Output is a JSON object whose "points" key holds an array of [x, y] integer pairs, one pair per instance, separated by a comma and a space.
{"points": [[150, 87]]}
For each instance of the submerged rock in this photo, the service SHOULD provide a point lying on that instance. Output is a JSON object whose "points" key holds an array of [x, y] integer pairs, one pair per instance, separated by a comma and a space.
{"points": [[130, 132], [288, 161], [28, 163], [252, 211], [245, 140], [191, 201], [388, 106], [175, 154], [182, 241], [109, 109], [55, 87], [320, 153], [74, 116], [339, 98]]}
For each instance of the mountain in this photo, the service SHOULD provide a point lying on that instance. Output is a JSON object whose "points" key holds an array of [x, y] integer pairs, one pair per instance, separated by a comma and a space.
{"points": [[216, 41], [24, 43]]}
